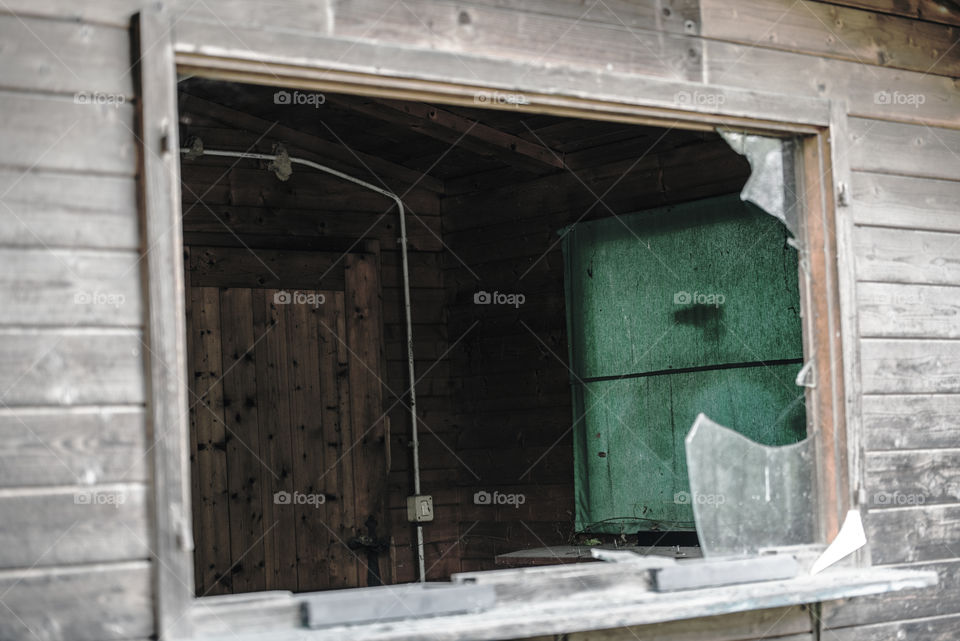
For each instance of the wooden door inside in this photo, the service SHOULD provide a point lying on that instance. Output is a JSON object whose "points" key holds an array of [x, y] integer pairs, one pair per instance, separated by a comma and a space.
{"points": [[288, 442]]}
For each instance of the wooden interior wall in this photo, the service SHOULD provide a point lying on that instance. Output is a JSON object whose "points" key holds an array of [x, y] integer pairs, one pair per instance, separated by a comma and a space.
{"points": [[509, 364], [237, 204], [72, 414]]}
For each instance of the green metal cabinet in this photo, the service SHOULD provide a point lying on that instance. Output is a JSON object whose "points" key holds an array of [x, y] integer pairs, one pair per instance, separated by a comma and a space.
{"points": [[671, 312]]}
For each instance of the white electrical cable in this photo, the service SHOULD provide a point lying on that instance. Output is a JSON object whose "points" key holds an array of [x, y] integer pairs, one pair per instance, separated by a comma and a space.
{"points": [[414, 439]]}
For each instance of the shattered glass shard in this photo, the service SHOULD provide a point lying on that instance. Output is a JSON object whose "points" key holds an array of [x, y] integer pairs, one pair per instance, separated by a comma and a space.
{"points": [[748, 496]]}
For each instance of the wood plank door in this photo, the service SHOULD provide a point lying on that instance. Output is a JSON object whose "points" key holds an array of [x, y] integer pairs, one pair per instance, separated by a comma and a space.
{"points": [[289, 445]]}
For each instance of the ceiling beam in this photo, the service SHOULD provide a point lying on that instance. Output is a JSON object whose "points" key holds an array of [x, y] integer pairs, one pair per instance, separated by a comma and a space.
{"points": [[467, 133], [397, 177]]}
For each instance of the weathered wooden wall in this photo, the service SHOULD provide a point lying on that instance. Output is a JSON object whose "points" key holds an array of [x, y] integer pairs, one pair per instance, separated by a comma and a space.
{"points": [[72, 390]]}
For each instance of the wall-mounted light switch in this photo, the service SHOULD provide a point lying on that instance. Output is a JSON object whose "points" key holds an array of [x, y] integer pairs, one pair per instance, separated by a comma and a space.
{"points": [[420, 508]]}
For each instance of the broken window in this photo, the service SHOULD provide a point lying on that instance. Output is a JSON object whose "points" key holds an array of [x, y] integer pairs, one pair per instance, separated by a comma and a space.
{"points": [[673, 312]]}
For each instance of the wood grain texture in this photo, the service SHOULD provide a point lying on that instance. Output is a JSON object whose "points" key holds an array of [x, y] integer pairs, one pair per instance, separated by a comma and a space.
{"points": [[65, 57], [71, 367], [919, 257], [912, 604], [905, 202], [892, 366], [246, 469], [162, 275], [403, 179], [273, 355], [784, 624], [264, 268], [58, 287], [81, 603], [911, 422], [53, 209], [78, 524], [917, 477], [932, 10], [909, 150], [908, 311], [830, 31], [368, 436], [47, 446], [55, 132], [312, 427], [871, 92], [929, 629], [545, 37], [211, 498], [913, 534]]}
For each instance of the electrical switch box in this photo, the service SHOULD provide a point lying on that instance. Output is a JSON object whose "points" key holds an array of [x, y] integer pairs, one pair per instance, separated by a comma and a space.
{"points": [[420, 508]]}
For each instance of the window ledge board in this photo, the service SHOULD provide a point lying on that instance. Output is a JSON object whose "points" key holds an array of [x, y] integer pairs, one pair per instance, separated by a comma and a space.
{"points": [[276, 617]]}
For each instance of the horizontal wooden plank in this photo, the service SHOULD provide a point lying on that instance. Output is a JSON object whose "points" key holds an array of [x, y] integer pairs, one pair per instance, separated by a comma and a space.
{"points": [[830, 31], [931, 629], [913, 534], [78, 524], [310, 15], [52, 209], [905, 202], [55, 132], [265, 268], [91, 61], [554, 87], [668, 15], [775, 624], [892, 256], [883, 93], [79, 603], [909, 150], [908, 311], [918, 477], [70, 287], [423, 232], [893, 366], [910, 422], [43, 446], [71, 367], [372, 168], [932, 10], [540, 38], [911, 604]]}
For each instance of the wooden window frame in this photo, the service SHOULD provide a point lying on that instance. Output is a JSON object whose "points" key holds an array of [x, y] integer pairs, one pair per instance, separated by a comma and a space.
{"points": [[279, 59]]}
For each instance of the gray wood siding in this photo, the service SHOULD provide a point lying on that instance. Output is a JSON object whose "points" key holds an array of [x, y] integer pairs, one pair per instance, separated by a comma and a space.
{"points": [[73, 455], [72, 385]]}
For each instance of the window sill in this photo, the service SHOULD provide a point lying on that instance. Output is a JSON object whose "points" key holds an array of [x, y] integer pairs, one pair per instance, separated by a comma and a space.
{"points": [[277, 616]]}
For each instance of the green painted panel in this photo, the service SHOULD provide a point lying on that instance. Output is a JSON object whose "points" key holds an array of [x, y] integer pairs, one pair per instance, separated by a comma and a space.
{"points": [[648, 284], [625, 318]]}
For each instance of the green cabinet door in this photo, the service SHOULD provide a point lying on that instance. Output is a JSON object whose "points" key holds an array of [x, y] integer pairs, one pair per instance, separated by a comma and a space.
{"points": [[671, 312]]}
